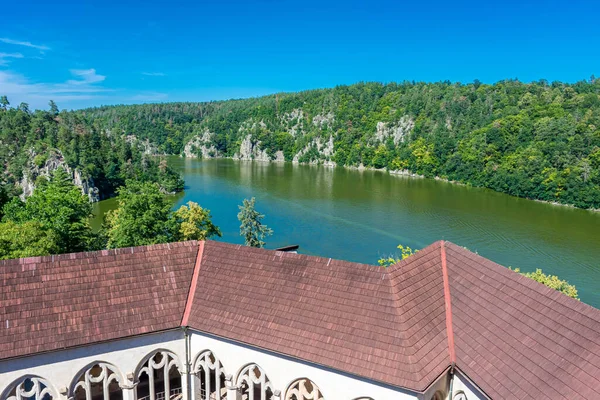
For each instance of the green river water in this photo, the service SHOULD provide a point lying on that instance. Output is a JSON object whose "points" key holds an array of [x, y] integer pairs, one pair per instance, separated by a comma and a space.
{"points": [[363, 215]]}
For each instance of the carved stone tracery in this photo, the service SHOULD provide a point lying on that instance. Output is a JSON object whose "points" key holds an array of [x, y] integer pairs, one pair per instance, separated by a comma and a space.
{"points": [[100, 378], [303, 389], [254, 383], [31, 388], [211, 375]]}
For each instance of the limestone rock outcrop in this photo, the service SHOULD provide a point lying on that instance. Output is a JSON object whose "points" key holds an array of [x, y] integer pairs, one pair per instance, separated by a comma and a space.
{"points": [[398, 131], [54, 161]]}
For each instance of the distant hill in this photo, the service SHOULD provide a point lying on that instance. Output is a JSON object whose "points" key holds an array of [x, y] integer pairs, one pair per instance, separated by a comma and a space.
{"points": [[539, 140]]}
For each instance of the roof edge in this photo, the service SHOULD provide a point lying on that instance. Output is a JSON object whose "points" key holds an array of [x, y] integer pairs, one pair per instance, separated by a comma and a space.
{"points": [[448, 305], [193, 284]]}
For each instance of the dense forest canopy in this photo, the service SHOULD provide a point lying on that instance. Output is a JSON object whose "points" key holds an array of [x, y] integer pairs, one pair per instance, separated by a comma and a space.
{"points": [[537, 140], [34, 144]]}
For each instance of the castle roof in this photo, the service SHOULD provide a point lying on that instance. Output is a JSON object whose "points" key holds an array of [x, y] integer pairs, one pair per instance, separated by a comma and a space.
{"points": [[403, 326]]}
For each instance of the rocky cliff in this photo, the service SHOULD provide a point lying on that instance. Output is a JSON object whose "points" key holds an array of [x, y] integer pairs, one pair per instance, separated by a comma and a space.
{"points": [[398, 131], [313, 139], [201, 146], [53, 161]]}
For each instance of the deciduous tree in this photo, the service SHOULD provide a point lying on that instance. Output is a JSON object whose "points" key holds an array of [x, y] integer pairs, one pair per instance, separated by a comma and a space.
{"points": [[27, 239], [142, 216], [194, 223], [59, 206]]}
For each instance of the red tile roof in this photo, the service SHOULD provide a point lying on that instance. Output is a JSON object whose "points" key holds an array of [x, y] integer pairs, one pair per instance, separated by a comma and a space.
{"points": [[53, 302], [402, 326], [353, 317], [516, 338]]}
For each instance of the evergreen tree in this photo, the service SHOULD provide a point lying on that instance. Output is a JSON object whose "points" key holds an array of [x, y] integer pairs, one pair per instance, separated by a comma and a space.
{"points": [[53, 108], [4, 103], [251, 228]]}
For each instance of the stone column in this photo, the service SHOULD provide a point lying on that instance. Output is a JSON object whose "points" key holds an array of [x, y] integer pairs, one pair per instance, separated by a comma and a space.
{"points": [[185, 379], [128, 387], [195, 387], [233, 392]]}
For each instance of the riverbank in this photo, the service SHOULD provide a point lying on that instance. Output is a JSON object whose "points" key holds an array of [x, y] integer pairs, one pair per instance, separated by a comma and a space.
{"points": [[406, 173]]}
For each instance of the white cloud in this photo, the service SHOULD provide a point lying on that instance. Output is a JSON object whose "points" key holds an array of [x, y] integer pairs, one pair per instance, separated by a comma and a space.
{"points": [[86, 76], [154, 73], [86, 91], [20, 89], [4, 56], [23, 43]]}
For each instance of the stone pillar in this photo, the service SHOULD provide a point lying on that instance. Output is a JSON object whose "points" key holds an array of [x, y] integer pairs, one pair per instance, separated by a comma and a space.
{"points": [[233, 392], [129, 387], [185, 379], [195, 387]]}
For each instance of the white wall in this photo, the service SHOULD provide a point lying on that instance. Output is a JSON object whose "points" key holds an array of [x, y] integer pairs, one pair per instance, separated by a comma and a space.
{"points": [[464, 385], [60, 368], [283, 371]]}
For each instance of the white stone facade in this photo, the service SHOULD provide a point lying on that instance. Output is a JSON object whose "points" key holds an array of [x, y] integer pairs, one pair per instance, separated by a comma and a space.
{"points": [[191, 365]]}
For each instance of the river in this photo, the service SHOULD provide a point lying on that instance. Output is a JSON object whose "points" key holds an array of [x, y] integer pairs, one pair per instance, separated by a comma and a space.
{"points": [[363, 215]]}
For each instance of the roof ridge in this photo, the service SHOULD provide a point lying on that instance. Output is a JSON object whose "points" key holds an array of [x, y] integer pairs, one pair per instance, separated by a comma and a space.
{"points": [[448, 304], [193, 284]]}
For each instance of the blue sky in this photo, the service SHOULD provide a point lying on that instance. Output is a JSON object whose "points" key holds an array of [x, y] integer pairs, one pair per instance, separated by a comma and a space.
{"points": [[84, 53]]}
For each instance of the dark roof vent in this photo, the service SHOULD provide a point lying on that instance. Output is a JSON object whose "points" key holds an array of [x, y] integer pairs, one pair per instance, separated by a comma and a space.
{"points": [[289, 249]]}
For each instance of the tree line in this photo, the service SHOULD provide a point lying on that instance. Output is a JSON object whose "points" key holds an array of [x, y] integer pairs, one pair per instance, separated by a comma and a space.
{"points": [[55, 219], [538, 140]]}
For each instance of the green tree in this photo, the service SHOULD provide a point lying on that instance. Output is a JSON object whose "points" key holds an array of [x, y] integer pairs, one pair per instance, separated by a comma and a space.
{"points": [[251, 228], [4, 103], [194, 223], [27, 239], [142, 218], [59, 206], [3, 199], [405, 252], [53, 108], [24, 107], [552, 281]]}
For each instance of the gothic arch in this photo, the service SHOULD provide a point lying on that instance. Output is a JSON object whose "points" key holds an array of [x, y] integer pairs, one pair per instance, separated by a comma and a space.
{"points": [[143, 363], [97, 379], [209, 377], [254, 383], [303, 389], [158, 375], [30, 387], [363, 398]]}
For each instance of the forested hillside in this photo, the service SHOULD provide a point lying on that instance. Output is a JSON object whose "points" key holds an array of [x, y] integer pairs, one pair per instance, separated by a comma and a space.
{"points": [[34, 144], [538, 140]]}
